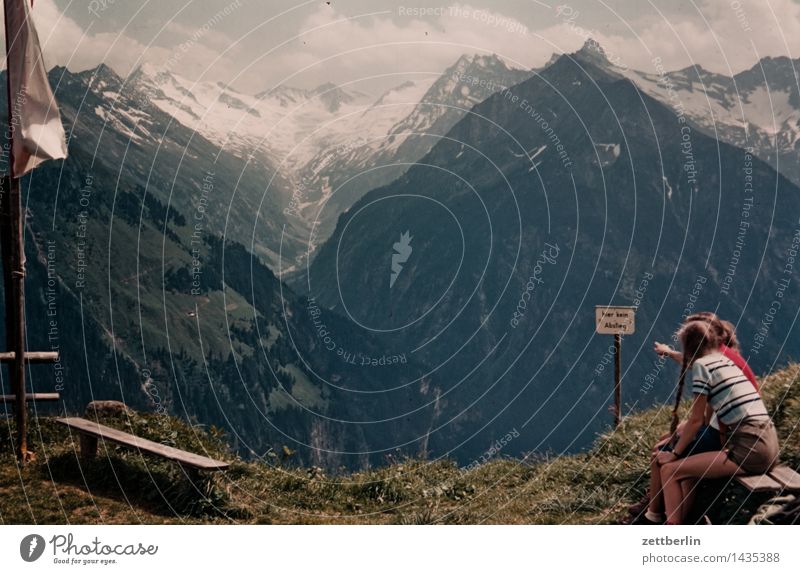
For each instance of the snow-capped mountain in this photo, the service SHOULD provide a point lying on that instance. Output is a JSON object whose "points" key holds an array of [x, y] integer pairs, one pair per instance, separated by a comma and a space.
{"points": [[758, 108], [332, 143], [281, 124], [164, 159], [383, 149]]}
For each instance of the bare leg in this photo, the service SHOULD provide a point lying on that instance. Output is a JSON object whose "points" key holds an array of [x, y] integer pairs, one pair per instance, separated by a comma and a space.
{"points": [[655, 492], [715, 464], [688, 490]]}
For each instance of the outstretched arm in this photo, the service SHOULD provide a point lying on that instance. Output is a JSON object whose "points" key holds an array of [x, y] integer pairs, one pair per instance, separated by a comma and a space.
{"points": [[665, 350]]}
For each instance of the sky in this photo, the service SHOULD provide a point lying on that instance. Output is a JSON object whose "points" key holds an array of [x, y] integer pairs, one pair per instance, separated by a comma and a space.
{"points": [[255, 45]]}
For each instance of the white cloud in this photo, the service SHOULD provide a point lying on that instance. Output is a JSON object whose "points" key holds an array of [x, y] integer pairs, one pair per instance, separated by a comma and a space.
{"points": [[332, 47], [65, 43], [721, 35], [361, 47]]}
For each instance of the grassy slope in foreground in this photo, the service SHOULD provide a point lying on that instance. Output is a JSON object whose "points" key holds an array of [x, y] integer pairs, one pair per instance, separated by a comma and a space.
{"points": [[122, 487]]}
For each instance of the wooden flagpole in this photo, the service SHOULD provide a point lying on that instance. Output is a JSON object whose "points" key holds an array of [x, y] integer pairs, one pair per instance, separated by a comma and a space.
{"points": [[14, 275], [14, 279]]}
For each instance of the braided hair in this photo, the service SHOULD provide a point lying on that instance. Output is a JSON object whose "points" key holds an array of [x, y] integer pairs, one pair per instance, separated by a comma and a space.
{"points": [[697, 337]]}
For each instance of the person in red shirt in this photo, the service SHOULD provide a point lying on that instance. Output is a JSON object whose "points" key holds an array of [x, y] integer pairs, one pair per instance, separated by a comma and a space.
{"points": [[710, 436]]}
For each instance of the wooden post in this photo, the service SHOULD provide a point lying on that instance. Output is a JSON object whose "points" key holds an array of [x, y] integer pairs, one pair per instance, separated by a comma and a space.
{"points": [[616, 321], [617, 378], [14, 280], [88, 447]]}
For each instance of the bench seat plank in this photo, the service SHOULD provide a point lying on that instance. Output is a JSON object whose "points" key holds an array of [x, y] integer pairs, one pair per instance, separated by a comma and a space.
{"points": [[788, 478], [759, 483], [110, 434]]}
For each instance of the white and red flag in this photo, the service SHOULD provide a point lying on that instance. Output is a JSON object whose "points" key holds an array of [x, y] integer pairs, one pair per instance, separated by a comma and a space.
{"points": [[37, 133]]}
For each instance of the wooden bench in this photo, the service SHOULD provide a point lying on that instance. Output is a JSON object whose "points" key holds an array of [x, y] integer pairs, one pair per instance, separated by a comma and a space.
{"points": [[91, 431], [779, 479]]}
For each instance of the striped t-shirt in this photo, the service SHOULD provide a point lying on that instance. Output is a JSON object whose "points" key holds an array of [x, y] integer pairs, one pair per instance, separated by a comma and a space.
{"points": [[730, 394]]}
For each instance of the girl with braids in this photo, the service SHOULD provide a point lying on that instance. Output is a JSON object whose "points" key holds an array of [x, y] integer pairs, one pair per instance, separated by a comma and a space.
{"points": [[752, 443], [710, 437]]}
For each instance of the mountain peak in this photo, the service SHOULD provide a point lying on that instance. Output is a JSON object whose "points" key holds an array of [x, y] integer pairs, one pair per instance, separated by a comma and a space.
{"points": [[592, 45], [592, 52], [772, 65], [104, 71], [773, 73], [101, 75]]}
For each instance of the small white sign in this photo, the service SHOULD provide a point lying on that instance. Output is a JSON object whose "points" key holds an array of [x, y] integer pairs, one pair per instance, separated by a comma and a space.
{"points": [[615, 320]]}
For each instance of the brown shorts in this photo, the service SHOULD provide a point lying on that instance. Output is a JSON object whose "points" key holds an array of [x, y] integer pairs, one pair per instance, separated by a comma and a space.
{"points": [[753, 445]]}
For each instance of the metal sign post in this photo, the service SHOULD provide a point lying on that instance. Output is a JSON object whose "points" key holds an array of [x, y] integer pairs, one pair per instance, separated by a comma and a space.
{"points": [[616, 321]]}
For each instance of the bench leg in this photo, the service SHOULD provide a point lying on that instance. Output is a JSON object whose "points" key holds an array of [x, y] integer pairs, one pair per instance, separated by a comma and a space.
{"points": [[192, 473], [88, 447]]}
